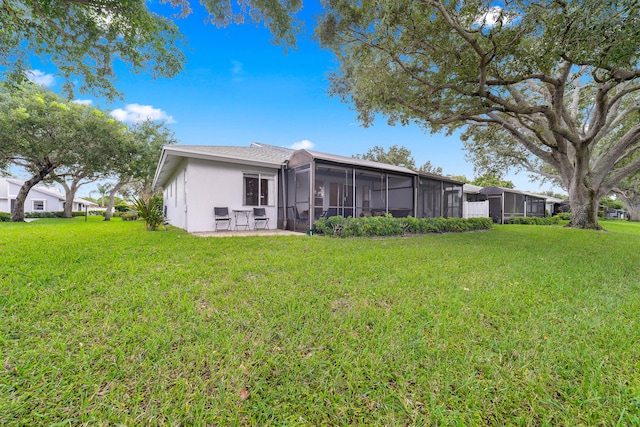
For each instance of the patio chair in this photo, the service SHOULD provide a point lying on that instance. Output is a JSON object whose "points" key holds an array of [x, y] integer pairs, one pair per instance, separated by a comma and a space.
{"points": [[221, 215], [260, 214]]}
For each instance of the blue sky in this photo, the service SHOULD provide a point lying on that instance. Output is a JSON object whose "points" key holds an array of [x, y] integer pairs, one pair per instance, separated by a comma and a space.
{"points": [[239, 88]]}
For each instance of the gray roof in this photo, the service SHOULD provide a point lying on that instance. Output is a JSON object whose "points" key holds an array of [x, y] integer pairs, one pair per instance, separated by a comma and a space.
{"points": [[51, 191], [256, 154], [470, 188], [358, 162]]}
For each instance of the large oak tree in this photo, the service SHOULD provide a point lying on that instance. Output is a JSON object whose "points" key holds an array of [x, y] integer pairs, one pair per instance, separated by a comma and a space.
{"points": [[553, 80], [42, 133]]}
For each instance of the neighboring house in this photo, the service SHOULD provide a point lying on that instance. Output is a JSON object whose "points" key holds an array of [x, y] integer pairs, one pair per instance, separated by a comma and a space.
{"points": [[505, 203], [554, 205], [39, 199], [614, 213], [476, 204], [294, 187], [80, 205]]}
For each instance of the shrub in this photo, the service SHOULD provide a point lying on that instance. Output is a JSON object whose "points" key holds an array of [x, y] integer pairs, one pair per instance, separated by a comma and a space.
{"points": [[564, 216], [150, 211], [128, 216], [121, 207], [5, 217], [389, 226], [57, 214], [528, 220]]}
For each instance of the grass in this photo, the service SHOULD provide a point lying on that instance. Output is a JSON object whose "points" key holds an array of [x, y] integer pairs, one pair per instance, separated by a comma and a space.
{"points": [[108, 324]]}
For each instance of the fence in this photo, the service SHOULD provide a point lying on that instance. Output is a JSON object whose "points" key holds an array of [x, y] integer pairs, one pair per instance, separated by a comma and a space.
{"points": [[476, 209]]}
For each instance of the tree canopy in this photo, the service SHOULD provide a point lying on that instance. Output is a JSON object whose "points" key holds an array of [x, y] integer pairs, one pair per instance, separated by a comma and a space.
{"points": [[551, 81], [83, 39], [42, 132], [395, 155]]}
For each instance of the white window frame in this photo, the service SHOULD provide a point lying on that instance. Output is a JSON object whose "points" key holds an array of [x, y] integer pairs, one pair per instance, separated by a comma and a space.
{"points": [[270, 178]]}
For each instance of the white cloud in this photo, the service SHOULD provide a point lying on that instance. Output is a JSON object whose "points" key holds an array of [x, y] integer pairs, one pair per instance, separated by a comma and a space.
{"points": [[83, 101], [305, 144], [136, 113], [491, 17], [237, 71], [41, 78]]}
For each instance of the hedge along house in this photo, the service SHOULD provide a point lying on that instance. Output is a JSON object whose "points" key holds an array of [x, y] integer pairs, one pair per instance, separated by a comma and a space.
{"points": [[505, 203], [295, 187]]}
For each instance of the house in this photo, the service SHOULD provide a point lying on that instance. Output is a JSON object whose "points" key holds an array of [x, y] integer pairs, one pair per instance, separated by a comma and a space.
{"points": [[554, 205], [295, 187], [39, 199], [505, 203], [80, 205]]}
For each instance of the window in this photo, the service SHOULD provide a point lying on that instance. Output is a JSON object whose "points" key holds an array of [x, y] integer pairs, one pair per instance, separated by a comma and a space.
{"points": [[258, 190], [38, 205]]}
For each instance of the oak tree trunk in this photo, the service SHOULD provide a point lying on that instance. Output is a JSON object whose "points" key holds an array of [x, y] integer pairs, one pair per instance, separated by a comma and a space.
{"points": [[112, 195], [17, 214], [68, 204], [584, 207]]}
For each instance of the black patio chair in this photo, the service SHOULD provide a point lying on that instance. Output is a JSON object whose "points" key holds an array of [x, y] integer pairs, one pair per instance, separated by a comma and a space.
{"points": [[260, 215], [221, 215]]}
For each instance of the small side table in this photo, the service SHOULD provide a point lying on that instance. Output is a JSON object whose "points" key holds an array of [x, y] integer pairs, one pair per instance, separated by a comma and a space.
{"points": [[238, 213]]}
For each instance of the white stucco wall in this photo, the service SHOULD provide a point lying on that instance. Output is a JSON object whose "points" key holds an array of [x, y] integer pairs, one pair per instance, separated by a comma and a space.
{"points": [[175, 197], [215, 184]]}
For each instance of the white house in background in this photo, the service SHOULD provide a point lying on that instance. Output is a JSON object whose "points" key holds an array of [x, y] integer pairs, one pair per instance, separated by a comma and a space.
{"points": [[80, 205], [40, 198]]}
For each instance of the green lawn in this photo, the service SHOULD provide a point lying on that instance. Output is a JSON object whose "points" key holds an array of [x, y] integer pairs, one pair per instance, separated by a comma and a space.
{"points": [[107, 324]]}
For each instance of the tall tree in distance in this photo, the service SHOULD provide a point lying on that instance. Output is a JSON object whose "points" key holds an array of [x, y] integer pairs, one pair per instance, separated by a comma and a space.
{"points": [[137, 170], [488, 180], [550, 82], [82, 38], [395, 155], [628, 191], [429, 168]]}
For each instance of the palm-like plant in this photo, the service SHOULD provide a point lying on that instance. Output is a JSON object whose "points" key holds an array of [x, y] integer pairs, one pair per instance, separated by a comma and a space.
{"points": [[150, 210]]}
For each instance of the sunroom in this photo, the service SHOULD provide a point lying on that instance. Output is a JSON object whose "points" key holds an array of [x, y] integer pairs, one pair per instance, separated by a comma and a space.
{"points": [[324, 185], [505, 203]]}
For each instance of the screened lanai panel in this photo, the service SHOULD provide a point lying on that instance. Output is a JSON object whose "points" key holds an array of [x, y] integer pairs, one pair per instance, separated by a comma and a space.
{"points": [[452, 200], [429, 198], [298, 199], [371, 193], [535, 206], [400, 196], [513, 204], [333, 191]]}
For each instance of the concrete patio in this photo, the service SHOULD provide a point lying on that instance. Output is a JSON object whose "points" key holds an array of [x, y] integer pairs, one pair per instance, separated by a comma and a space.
{"points": [[246, 233]]}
